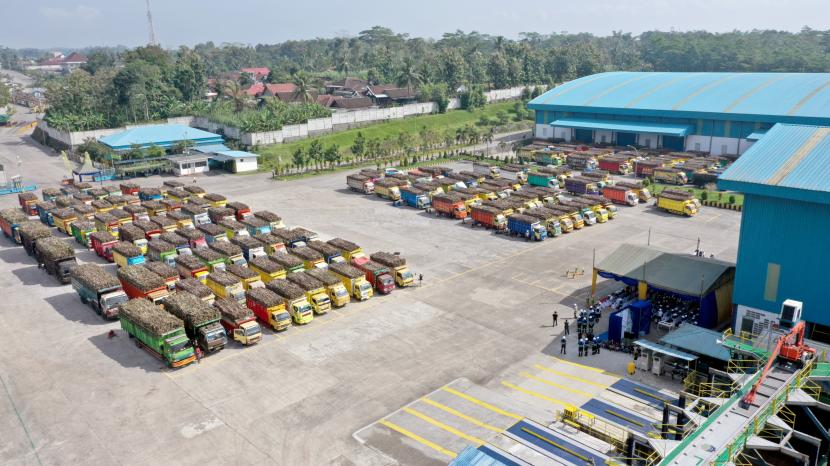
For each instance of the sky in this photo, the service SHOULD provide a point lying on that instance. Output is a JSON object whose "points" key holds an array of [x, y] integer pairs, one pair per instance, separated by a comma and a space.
{"points": [[69, 23]]}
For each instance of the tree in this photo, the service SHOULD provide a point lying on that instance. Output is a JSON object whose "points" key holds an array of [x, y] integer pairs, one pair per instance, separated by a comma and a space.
{"points": [[303, 88], [332, 155], [498, 70], [232, 91], [315, 153], [407, 74], [189, 75], [98, 60], [299, 158], [472, 98], [359, 146], [5, 94], [437, 93]]}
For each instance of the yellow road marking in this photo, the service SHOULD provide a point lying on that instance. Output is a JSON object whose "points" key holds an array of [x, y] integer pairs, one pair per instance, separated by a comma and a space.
{"points": [[536, 394], [483, 404], [554, 384], [454, 412], [569, 376], [418, 438], [443, 426], [576, 364], [561, 447]]}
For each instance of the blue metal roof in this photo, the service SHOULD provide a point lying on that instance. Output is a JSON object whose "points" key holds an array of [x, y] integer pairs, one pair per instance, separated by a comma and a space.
{"points": [[788, 97], [756, 135], [790, 161], [160, 135], [624, 126]]}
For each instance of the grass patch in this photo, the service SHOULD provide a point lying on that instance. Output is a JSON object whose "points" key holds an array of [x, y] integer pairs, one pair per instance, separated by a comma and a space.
{"points": [[714, 196], [451, 120]]}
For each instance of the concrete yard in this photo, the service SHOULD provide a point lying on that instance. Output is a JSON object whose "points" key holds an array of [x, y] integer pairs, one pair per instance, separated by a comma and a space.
{"points": [[480, 322]]}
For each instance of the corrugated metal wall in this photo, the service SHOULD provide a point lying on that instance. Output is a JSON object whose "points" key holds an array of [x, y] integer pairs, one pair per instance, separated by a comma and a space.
{"points": [[794, 236]]}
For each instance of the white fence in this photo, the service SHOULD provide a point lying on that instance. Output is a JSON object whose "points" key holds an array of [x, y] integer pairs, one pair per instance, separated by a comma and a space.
{"points": [[338, 121]]}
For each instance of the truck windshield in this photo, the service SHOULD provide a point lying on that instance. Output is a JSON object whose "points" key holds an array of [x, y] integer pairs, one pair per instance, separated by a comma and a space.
{"points": [[321, 299], [215, 335], [387, 281], [114, 301], [240, 261], [176, 347], [252, 330], [341, 293], [407, 275], [303, 309], [282, 316], [141, 243]]}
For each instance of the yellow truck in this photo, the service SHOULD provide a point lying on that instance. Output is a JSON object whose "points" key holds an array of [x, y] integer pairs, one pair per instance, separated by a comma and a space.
{"points": [[226, 285], [250, 278], [269, 308], [334, 287], [295, 300], [267, 269], [311, 258], [349, 250], [353, 279], [63, 219], [239, 321], [196, 288], [215, 200], [403, 276], [676, 204], [315, 291]]}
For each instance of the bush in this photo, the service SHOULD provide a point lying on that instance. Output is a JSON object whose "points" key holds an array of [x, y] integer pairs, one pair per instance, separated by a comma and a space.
{"points": [[646, 182], [704, 196], [731, 199], [472, 98]]}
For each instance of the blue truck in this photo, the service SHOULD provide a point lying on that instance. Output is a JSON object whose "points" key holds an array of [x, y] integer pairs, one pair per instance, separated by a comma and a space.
{"points": [[149, 194], [579, 185], [527, 227], [415, 197]]}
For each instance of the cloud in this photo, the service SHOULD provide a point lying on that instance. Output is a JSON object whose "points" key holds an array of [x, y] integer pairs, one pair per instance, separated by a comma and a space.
{"points": [[78, 13]]}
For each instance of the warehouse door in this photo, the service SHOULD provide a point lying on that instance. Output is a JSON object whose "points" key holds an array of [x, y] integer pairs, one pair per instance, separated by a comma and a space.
{"points": [[584, 135], [626, 139], [674, 143]]}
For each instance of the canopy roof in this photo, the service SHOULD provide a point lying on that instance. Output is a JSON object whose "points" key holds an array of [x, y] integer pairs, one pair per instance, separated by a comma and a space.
{"points": [[665, 129], [697, 340], [159, 135], [658, 348], [678, 273], [87, 168]]}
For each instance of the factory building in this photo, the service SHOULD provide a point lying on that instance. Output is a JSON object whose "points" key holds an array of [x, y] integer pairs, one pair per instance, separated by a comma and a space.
{"points": [[783, 249], [715, 113]]}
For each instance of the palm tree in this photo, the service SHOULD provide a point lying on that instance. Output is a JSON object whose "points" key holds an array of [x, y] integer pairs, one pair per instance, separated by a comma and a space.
{"points": [[234, 92], [343, 64], [408, 75], [302, 87]]}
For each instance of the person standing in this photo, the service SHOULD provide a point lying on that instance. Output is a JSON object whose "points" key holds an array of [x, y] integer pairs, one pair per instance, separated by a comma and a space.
{"points": [[567, 328], [563, 349], [555, 318]]}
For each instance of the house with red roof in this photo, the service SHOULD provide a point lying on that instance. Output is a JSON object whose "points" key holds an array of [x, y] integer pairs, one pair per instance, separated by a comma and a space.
{"points": [[257, 74]]}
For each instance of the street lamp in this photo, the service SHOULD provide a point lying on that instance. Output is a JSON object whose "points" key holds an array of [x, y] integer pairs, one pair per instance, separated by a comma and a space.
{"points": [[636, 151]]}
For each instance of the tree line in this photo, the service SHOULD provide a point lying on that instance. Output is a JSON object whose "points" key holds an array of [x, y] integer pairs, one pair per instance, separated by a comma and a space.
{"points": [[119, 86]]}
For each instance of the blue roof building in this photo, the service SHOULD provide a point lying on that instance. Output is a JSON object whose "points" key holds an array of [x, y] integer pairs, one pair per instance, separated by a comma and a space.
{"points": [[166, 136], [718, 113], [783, 247]]}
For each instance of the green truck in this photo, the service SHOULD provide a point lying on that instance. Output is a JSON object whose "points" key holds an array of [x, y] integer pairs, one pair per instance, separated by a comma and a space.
{"points": [[201, 320], [158, 332]]}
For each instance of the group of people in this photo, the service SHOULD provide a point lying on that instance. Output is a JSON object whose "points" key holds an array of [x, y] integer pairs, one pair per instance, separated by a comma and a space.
{"points": [[585, 321]]}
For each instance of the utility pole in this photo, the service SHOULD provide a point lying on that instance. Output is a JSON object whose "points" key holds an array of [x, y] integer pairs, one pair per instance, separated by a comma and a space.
{"points": [[151, 28]]}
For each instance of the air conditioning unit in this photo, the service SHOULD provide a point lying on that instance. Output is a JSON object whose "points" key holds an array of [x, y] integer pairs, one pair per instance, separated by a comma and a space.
{"points": [[790, 313]]}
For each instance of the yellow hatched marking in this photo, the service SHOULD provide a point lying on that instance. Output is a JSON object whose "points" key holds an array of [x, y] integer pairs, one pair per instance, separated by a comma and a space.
{"points": [[569, 376], [554, 384], [576, 364], [818, 135], [483, 404], [418, 438], [536, 394], [807, 98], [443, 426], [457, 413]]}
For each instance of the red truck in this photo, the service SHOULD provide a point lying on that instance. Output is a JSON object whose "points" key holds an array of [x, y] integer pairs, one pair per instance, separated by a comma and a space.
{"points": [[449, 205], [378, 275], [240, 210], [151, 230], [129, 188], [488, 217], [138, 282], [102, 242], [620, 195], [615, 164]]}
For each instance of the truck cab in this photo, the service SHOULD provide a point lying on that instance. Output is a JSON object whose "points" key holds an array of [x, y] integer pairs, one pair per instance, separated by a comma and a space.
{"points": [[301, 311], [247, 333], [404, 277], [320, 301], [107, 304]]}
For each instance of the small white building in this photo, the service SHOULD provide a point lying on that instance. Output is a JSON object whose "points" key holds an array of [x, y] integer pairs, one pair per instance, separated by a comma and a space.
{"points": [[236, 161], [184, 165]]}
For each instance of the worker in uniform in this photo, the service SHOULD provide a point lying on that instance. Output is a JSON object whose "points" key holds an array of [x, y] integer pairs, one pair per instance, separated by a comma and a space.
{"points": [[567, 328], [555, 318], [563, 349]]}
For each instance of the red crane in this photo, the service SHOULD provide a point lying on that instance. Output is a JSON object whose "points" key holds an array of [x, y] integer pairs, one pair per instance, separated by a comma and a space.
{"points": [[790, 347]]}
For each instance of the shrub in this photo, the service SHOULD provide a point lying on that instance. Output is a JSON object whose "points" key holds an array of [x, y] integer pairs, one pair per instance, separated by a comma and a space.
{"points": [[731, 199], [704, 196]]}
